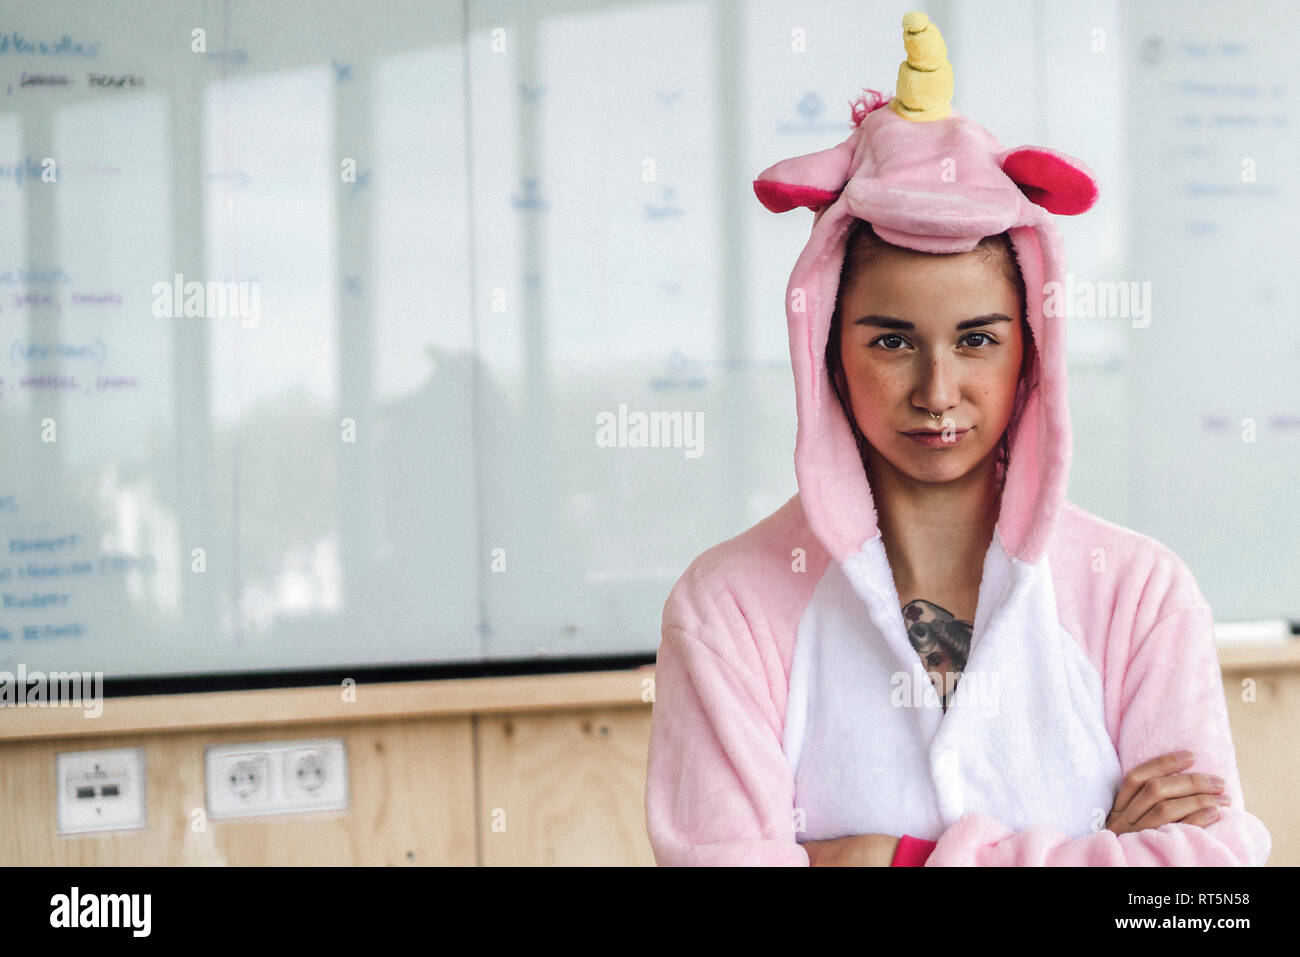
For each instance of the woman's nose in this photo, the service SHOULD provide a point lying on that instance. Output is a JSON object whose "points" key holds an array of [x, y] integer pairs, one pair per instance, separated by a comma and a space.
{"points": [[937, 391]]}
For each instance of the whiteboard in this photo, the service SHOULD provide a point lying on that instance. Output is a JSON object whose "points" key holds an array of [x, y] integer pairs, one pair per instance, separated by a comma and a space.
{"points": [[468, 249], [1214, 381]]}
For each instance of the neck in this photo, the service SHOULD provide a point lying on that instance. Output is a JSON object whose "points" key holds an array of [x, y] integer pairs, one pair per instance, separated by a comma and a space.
{"points": [[935, 533]]}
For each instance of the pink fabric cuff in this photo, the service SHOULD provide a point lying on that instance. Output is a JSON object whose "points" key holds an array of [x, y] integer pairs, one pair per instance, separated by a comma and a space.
{"points": [[912, 852]]}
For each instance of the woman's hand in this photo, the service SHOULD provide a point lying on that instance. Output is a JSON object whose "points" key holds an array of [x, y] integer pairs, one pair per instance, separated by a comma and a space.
{"points": [[856, 850], [1155, 794]]}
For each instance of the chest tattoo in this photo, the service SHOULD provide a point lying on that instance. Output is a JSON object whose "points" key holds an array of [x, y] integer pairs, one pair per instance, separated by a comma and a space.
{"points": [[942, 641]]}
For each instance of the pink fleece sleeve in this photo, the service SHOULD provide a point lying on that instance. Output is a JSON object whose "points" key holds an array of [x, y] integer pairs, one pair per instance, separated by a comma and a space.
{"points": [[1171, 699], [719, 790]]}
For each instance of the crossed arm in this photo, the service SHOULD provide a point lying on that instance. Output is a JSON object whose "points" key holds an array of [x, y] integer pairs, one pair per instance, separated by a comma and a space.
{"points": [[1152, 795]]}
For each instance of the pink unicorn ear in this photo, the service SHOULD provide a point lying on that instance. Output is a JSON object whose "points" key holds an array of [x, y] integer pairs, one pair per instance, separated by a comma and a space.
{"points": [[813, 180], [1059, 183], [780, 197]]}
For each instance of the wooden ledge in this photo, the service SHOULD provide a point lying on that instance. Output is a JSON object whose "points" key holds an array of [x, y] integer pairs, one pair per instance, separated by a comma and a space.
{"points": [[374, 702], [1267, 656]]}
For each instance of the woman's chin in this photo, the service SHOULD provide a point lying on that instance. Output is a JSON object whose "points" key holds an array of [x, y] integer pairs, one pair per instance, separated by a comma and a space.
{"points": [[936, 466], [936, 476], [931, 466]]}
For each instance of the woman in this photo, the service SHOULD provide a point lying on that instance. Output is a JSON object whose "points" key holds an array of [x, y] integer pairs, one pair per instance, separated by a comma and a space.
{"points": [[928, 655], [937, 481]]}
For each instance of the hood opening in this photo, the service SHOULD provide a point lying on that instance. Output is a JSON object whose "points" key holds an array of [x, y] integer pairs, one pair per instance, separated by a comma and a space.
{"points": [[860, 231]]}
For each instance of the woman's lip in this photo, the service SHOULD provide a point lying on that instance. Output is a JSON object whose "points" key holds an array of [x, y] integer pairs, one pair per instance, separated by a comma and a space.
{"points": [[938, 440]]}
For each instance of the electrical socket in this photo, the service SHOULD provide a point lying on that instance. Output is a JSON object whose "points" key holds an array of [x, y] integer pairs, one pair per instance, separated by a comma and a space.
{"points": [[247, 777], [100, 790], [276, 777], [307, 772]]}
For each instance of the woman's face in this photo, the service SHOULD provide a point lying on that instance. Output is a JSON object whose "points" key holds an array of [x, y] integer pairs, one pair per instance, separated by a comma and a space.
{"points": [[924, 333]]}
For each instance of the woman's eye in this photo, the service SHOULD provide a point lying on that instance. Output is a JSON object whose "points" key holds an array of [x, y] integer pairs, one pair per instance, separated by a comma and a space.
{"points": [[890, 336], [892, 342]]}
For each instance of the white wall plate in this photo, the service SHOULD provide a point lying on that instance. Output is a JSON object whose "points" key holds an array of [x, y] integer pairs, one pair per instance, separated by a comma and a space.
{"points": [[276, 777], [100, 790]]}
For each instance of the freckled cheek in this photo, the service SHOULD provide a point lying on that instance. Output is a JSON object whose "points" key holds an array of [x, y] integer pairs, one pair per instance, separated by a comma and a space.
{"points": [[873, 379], [996, 390], [874, 392]]}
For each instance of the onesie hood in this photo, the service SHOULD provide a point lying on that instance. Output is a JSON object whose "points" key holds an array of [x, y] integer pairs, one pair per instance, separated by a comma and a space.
{"points": [[930, 179]]}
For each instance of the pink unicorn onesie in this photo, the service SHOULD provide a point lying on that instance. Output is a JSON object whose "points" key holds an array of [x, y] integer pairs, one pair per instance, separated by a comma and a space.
{"points": [[777, 717]]}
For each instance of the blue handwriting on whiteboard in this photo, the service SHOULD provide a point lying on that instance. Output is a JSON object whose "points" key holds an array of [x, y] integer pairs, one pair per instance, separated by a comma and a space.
{"points": [[15, 42]]}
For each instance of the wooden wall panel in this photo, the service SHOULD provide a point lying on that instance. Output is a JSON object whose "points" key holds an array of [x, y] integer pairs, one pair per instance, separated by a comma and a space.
{"points": [[1264, 732], [564, 788]]}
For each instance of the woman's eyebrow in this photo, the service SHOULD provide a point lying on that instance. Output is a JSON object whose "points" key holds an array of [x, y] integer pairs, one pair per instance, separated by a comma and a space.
{"points": [[889, 322]]}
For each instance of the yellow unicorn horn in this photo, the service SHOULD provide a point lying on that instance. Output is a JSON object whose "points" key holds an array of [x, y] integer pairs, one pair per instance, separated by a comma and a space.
{"points": [[925, 82]]}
